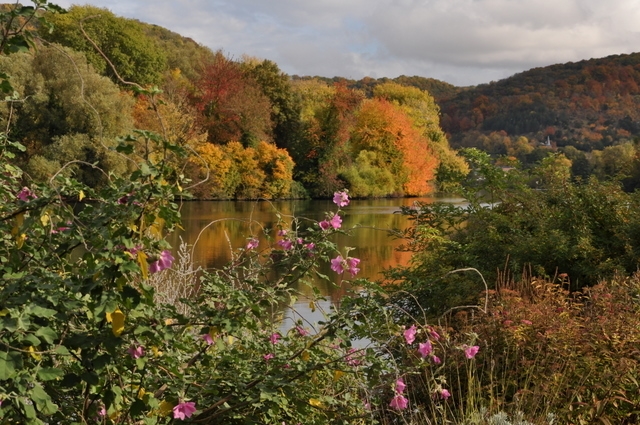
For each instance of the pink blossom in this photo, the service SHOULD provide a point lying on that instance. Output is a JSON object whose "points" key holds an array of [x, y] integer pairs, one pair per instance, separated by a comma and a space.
{"points": [[102, 411], [337, 264], [436, 360], [527, 322], [435, 335], [470, 352], [274, 338], [268, 357], [164, 262], [286, 244], [341, 199], [59, 229], [302, 331], [400, 386], [26, 194], [444, 394], [299, 241], [410, 334], [207, 338], [136, 352], [336, 221], [352, 360], [425, 348], [352, 266], [253, 243], [184, 410], [310, 246], [399, 402], [282, 232], [324, 225]]}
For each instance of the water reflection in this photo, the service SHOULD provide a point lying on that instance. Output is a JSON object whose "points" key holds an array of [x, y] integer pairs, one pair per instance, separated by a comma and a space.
{"points": [[217, 228]]}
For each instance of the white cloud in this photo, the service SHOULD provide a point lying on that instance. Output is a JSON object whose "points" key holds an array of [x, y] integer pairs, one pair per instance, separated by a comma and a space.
{"points": [[460, 41]]}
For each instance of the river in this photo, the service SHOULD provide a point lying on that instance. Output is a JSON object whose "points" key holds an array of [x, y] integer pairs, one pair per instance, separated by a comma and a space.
{"points": [[218, 227]]}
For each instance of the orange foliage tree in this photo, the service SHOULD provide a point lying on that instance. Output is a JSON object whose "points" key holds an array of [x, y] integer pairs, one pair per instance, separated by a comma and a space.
{"points": [[384, 128]]}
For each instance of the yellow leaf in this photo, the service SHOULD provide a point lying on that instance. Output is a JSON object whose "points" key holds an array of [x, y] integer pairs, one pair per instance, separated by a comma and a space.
{"points": [[142, 262], [32, 353], [156, 351], [165, 408], [170, 322], [20, 240], [45, 218], [231, 340], [156, 228], [17, 223], [337, 375], [305, 356], [315, 402], [4, 312], [80, 195], [117, 322], [312, 306], [141, 393]]}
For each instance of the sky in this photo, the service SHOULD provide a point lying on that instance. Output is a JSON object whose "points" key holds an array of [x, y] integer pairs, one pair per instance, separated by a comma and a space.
{"points": [[462, 42]]}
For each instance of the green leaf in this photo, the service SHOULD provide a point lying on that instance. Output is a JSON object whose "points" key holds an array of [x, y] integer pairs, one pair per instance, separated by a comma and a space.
{"points": [[50, 373], [42, 401], [49, 335], [31, 339], [41, 311], [9, 362]]}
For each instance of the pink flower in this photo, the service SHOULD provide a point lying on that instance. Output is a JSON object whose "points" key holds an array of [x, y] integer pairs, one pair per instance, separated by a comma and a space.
{"points": [[527, 322], [102, 411], [164, 262], [350, 359], [470, 352], [274, 338], [436, 360], [444, 394], [310, 246], [286, 244], [435, 335], [268, 357], [299, 241], [425, 348], [282, 232], [302, 331], [253, 243], [26, 194], [324, 225], [399, 402], [207, 338], [136, 352], [341, 199], [400, 386], [335, 221], [184, 410], [352, 266], [410, 334], [337, 264]]}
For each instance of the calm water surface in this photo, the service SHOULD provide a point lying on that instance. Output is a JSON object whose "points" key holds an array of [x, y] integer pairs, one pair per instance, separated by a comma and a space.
{"points": [[216, 228]]}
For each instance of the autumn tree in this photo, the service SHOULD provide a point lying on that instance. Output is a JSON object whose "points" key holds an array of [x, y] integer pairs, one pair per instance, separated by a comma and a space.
{"points": [[232, 107]]}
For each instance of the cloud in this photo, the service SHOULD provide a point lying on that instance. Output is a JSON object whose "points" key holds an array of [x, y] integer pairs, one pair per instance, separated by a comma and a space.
{"points": [[460, 41]]}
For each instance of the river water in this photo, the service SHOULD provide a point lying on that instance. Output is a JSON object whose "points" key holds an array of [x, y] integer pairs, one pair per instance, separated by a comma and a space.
{"points": [[216, 228]]}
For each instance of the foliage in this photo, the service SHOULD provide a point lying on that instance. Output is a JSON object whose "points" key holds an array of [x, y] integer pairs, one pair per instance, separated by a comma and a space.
{"points": [[550, 352], [64, 111], [586, 230], [136, 56]]}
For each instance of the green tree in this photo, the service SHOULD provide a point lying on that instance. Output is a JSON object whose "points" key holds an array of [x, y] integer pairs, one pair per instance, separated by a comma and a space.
{"points": [[136, 56], [65, 111]]}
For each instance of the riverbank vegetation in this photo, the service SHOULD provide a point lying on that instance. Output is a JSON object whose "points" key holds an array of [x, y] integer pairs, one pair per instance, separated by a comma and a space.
{"points": [[519, 308]]}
